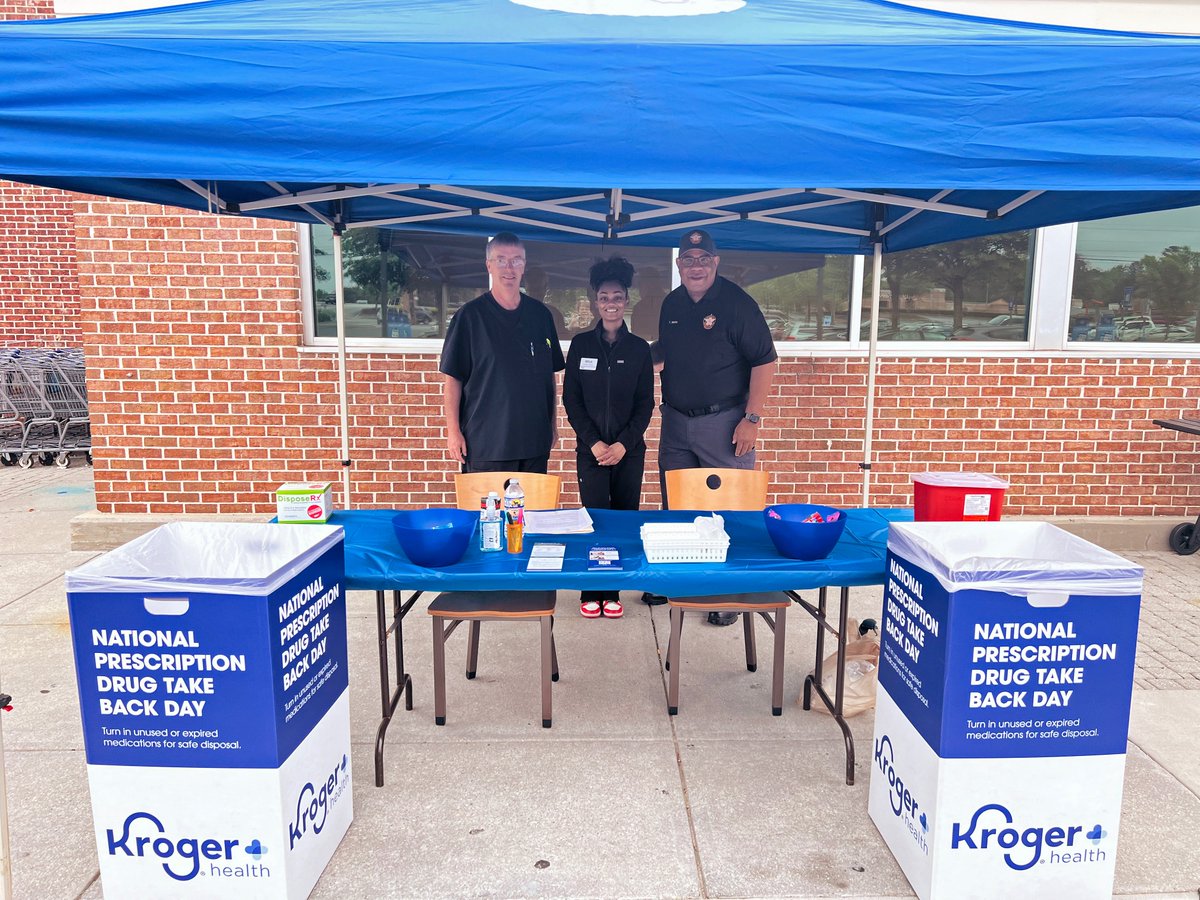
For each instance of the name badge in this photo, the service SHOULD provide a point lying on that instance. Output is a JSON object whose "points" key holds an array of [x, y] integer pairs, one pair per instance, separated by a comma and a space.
{"points": [[588, 364]]}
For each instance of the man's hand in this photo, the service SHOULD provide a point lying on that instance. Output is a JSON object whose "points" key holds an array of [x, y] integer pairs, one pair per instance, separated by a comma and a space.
{"points": [[614, 454], [744, 437], [457, 445], [599, 450]]}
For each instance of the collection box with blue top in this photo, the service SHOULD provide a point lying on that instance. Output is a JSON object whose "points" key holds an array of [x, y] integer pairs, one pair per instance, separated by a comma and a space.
{"points": [[211, 664], [1005, 676]]}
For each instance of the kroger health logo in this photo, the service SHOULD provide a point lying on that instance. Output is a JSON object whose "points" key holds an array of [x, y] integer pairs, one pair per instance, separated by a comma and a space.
{"points": [[143, 836], [901, 800], [314, 802], [993, 826]]}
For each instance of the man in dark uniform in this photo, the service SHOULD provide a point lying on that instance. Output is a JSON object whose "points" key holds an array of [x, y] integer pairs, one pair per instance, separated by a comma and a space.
{"points": [[718, 366], [499, 359]]}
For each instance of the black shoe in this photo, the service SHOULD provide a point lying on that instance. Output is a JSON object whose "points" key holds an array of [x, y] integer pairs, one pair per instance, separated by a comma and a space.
{"points": [[722, 618], [653, 599]]}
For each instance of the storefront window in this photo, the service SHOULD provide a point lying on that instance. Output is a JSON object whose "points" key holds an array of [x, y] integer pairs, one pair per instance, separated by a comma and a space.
{"points": [[402, 285], [804, 297], [972, 290], [1137, 279]]}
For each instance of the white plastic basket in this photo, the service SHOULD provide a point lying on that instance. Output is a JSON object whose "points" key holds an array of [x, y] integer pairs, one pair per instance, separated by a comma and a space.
{"points": [[680, 542]]}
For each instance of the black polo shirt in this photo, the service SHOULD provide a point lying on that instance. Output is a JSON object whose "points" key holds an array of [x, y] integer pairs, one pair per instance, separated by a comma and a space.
{"points": [[506, 360], [709, 347]]}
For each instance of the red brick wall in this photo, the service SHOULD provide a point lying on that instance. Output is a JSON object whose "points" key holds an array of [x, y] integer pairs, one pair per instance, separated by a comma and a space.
{"points": [[39, 285], [26, 9], [39, 290], [204, 398]]}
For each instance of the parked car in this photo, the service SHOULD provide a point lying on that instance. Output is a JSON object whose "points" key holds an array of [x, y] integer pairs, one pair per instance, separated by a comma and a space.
{"points": [[1004, 328], [1135, 328], [923, 331]]}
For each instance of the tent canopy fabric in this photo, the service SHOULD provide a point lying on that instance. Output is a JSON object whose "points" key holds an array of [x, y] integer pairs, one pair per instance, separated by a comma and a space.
{"points": [[821, 126]]}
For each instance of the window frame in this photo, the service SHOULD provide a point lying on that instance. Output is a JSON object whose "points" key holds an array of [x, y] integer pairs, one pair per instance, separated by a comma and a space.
{"points": [[1049, 317]]}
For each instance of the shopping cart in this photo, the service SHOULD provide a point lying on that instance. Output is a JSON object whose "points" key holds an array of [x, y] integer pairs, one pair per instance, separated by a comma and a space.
{"points": [[1185, 537], [43, 407]]}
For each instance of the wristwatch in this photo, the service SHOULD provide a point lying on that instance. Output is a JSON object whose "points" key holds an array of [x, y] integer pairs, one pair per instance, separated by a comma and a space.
{"points": [[753, 418]]}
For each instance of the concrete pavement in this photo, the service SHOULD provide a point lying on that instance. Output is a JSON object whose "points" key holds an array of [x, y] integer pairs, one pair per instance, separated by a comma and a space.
{"points": [[617, 799]]}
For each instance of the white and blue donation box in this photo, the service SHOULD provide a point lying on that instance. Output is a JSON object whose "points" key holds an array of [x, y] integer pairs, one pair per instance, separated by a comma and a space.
{"points": [[211, 661], [1005, 674]]}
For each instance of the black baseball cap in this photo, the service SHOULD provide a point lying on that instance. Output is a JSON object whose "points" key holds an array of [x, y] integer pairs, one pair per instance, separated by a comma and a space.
{"points": [[697, 239]]}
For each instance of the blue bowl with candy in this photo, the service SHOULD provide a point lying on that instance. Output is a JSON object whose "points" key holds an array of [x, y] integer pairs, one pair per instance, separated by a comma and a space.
{"points": [[434, 537], [804, 530]]}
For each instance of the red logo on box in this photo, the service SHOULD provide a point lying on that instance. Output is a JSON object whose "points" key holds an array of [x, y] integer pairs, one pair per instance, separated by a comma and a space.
{"points": [[314, 511]]}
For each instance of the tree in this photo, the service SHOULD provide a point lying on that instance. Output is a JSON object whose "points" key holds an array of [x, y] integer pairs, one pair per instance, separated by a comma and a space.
{"points": [[899, 269], [1170, 282], [369, 261], [1001, 260]]}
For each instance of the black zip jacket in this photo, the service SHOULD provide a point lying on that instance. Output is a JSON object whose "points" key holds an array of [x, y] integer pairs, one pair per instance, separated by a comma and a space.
{"points": [[608, 390]]}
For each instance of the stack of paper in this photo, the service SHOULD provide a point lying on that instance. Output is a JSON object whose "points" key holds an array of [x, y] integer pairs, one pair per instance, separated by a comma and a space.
{"points": [[558, 521]]}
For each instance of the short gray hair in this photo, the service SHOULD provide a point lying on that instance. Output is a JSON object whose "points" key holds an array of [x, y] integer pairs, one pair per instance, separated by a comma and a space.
{"points": [[504, 239]]}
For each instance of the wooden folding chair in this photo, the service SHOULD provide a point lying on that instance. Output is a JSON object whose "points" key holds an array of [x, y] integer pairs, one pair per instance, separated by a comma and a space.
{"points": [[541, 492], [715, 490]]}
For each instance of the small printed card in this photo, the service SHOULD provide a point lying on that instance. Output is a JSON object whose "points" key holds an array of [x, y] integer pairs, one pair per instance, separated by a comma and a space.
{"points": [[604, 558], [545, 557]]}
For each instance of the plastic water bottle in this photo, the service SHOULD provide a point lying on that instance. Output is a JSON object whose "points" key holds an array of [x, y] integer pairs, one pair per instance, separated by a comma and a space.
{"points": [[490, 531], [514, 515]]}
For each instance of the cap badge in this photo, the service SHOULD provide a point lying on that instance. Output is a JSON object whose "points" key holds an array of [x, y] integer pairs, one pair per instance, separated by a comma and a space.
{"points": [[709, 321], [695, 237]]}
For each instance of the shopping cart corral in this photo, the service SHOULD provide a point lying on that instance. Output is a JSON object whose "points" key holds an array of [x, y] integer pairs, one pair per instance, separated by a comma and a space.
{"points": [[43, 407], [1185, 537]]}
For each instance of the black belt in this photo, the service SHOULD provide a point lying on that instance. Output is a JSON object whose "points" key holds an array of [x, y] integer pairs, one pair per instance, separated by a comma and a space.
{"points": [[708, 410]]}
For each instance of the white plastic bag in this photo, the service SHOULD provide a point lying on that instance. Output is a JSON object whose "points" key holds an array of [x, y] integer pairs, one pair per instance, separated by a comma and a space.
{"points": [[862, 671]]}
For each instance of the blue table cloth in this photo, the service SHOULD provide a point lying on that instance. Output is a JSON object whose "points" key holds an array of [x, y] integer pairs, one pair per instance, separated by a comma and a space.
{"points": [[374, 560]]}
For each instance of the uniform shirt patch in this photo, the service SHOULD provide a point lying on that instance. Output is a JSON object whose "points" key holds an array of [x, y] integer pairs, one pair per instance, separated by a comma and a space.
{"points": [[709, 321]]}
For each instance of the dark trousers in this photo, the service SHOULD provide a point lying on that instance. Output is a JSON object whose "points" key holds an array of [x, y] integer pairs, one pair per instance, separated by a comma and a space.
{"points": [[699, 442], [533, 464], [609, 487]]}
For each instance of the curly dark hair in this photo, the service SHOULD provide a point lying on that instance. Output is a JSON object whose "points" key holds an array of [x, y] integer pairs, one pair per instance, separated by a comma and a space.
{"points": [[615, 268]]}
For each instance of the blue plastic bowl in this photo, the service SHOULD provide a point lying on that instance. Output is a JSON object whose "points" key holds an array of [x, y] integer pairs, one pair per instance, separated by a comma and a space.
{"points": [[434, 537], [798, 539]]}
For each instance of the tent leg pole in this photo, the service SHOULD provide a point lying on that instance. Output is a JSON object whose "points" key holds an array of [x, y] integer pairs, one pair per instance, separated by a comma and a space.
{"points": [[339, 288], [869, 427], [6, 890]]}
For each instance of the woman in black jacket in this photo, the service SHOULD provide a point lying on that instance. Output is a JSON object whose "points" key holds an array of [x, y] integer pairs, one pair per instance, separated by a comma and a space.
{"points": [[608, 392]]}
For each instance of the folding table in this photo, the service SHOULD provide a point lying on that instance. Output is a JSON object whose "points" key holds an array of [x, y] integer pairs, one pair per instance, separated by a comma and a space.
{"points": [[375, 562]]}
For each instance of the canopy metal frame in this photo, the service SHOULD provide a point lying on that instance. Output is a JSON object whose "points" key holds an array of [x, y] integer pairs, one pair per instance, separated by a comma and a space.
{"points": [[607, 226]]}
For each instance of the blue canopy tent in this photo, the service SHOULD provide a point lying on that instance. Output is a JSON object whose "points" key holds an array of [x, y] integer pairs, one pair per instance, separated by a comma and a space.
{"points": [[831, 126]]}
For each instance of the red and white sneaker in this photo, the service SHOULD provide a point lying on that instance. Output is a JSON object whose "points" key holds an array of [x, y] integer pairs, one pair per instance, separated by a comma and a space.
{"points": [[613, 609], [589, 609]]}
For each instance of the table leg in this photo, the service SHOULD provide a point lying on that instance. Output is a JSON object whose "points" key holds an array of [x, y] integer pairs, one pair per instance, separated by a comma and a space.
{"points": [[389, 699], [815, 681], [840, 684], [820, 615]]}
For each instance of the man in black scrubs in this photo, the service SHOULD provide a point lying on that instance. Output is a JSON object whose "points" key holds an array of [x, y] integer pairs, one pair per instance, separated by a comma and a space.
{"points": [[499, 359], [718, 366]]}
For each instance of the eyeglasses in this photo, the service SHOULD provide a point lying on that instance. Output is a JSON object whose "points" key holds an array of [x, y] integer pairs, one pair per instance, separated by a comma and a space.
{"points": [[688, 261], [503, 262]]}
